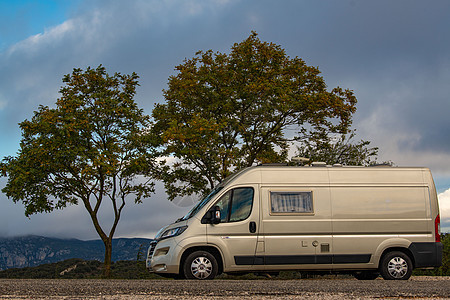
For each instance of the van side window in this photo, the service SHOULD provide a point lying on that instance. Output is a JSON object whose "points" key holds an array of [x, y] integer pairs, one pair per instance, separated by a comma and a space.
{"points": [[291, 202], [241, 204], [235, 205], [223, 203]]}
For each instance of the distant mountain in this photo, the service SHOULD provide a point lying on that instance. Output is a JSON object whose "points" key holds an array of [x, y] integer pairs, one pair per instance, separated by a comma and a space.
{"points": [[30, 251]]}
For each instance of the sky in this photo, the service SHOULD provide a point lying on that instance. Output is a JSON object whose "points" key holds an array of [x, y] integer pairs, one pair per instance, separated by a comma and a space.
{"points": [[394, 55]]}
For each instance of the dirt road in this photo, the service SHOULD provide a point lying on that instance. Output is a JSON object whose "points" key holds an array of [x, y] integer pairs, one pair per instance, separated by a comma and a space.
{"points": [[417, 287]]}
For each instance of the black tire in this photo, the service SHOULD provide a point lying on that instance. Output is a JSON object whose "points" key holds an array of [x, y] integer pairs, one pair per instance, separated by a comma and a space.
{"points": [[200, 265], [396, 265], [366, 275]]}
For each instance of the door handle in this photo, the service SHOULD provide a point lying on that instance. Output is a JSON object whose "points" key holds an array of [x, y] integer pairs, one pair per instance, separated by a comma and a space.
{"points": [[252, 227]]}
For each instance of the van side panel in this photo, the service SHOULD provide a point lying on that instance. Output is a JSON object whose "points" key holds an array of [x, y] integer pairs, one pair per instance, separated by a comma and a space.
{"points": [[379, 210], [296, 240]]}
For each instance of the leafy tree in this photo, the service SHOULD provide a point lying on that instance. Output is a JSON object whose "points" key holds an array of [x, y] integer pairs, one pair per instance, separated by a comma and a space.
{"points": [[228, 111], [90, 148], [338, 149]]}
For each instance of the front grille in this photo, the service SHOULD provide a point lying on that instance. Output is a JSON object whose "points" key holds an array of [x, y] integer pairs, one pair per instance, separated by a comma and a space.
{"points": [[151, 249]]}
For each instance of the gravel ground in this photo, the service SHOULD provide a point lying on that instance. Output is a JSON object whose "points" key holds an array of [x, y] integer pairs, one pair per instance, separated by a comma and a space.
{"points": [[417, 288]]}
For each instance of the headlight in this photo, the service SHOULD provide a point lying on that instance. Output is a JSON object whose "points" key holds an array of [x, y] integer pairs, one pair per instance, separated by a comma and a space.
{"points": [[173, 232]]}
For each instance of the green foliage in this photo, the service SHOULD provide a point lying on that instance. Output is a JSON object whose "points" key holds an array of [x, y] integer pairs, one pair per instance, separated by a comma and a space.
{"points": [[338, 149], [77, 269], [224, 112], [131, 270], [90, 148]]}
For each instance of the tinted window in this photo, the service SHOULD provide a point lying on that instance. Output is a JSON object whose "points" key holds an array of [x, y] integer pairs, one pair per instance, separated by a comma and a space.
{"points": [[224, 204], [241, 205], [235, 205]]}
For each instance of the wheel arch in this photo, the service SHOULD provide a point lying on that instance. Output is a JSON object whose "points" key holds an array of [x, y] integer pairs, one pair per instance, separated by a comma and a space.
{"points": [[208, 248], [392, 244], [400, 249]]}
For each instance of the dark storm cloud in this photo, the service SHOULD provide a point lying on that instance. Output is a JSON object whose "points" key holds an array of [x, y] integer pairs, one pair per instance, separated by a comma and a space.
{"points": [[395, 55]]}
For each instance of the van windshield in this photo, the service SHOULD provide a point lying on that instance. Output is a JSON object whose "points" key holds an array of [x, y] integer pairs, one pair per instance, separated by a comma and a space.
{"points": [[201, 203], [205, 200]]}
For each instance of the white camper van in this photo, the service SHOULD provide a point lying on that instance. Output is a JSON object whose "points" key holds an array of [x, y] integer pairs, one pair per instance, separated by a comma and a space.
{"points": [[361, 220]]}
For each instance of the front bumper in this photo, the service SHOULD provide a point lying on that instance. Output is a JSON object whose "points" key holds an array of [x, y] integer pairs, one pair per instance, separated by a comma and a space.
{"points": [[161, 257], [151, 250]]}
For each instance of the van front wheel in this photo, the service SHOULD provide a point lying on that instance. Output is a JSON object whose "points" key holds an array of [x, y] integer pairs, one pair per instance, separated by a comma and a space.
{"points": [[396, 266], [200, 265]]}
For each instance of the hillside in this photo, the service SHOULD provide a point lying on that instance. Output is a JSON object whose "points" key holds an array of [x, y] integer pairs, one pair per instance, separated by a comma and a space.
{"points": [[59, 258], [29, 251], [76, 268]]}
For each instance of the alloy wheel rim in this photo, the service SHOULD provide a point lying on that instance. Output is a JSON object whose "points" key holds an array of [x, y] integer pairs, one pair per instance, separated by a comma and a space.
{"points": [[397, 267], [201, 267]]}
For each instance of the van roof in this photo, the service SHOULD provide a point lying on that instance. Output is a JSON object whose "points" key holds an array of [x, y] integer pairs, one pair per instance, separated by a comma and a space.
{"points": [[325, 175]]}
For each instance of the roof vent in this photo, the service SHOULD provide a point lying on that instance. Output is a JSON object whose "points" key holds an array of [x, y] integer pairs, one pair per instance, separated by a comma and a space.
{"points": [[301, 161]]}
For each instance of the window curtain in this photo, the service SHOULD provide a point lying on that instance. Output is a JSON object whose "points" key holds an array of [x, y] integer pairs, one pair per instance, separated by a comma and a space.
{"points": [[300, 202]]}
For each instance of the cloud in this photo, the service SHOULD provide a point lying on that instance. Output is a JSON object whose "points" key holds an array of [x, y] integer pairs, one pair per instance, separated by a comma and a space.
{"points": [[394, 55], [138, 220], [148, 37], [400, 142], [444, 208], [412, 105], [404, 112], [2, 102]]}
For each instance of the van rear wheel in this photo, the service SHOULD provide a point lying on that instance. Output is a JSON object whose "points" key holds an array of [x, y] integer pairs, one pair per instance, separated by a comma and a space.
{"points": [[200, 265], [396, 265]]}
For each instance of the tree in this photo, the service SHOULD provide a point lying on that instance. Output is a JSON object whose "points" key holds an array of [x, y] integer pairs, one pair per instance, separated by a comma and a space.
{"points": [[338, 149], [228, 111], [90, 148]]}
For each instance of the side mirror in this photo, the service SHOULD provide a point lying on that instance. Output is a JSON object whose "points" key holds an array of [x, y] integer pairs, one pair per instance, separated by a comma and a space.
{"points": [[216, 217], [212, 216]]}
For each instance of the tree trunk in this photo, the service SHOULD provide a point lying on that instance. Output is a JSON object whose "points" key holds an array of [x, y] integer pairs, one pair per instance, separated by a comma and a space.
{"points": [[108, 254]]}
